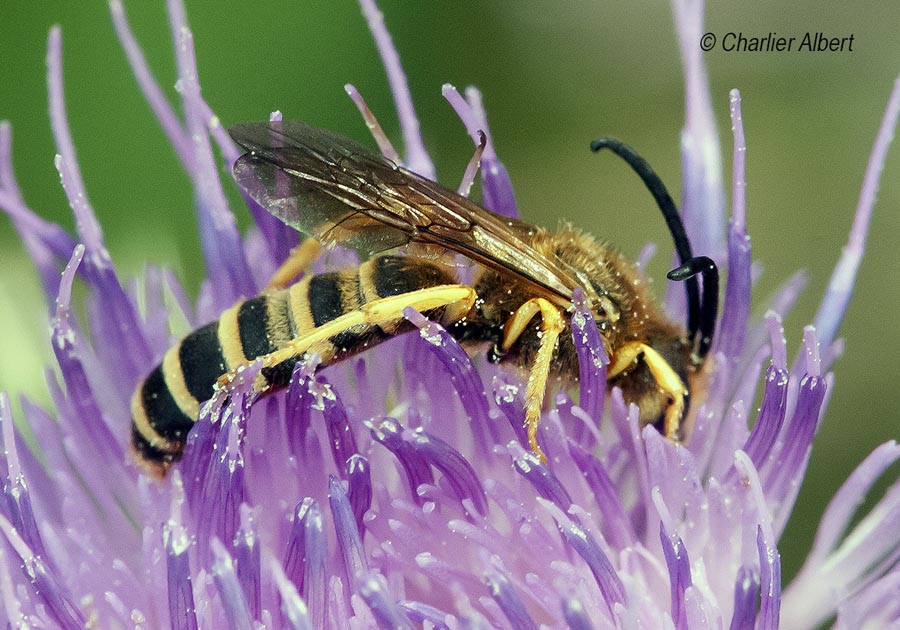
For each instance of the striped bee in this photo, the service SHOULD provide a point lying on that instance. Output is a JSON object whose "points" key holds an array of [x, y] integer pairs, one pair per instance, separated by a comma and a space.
{"points": [[519, 304]]}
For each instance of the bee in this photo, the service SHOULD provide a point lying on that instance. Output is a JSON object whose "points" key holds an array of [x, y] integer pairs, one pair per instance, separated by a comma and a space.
{"points": [[519, 304]]}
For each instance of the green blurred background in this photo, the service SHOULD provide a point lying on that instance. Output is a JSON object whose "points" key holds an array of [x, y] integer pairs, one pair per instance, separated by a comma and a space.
{"points": [[553, 77]]}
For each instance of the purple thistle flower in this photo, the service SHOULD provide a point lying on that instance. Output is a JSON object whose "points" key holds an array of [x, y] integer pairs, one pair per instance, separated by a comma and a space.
{"points": [[354, 500]]}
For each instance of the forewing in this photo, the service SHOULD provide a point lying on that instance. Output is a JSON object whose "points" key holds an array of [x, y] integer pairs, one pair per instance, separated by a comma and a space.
{"points": [[316, 182], [339, 191]]}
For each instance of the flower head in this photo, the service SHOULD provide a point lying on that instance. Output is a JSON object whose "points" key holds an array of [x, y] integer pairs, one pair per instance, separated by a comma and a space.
{"points": [[374, 494]]}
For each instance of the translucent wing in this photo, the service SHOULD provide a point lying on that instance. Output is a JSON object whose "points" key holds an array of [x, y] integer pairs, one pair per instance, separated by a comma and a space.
{"points": [[338, 191]]}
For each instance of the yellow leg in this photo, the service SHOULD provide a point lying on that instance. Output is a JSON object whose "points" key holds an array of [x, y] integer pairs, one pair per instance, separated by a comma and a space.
{"points": [[459, 300], [552, 325], [300, 257], [665, 377]]}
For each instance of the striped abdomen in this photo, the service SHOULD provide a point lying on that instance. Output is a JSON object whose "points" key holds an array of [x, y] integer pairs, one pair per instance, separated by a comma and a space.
{"points": [[166, 405]]}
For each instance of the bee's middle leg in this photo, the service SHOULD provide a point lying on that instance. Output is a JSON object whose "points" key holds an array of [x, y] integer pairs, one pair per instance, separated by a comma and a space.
{"points": [[552, 325], [299, 259]]}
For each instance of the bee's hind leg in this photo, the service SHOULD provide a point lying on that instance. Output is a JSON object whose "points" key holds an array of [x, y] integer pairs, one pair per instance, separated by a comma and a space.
{"points": [[552, 325], [458, 299]]}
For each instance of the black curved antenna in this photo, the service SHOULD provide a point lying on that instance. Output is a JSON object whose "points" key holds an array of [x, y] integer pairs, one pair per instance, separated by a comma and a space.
{"points": [[701, 319], [710, 304]]}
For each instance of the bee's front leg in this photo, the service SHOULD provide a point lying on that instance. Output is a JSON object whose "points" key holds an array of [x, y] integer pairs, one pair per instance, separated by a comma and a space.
{"points": [[665, 377]]}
